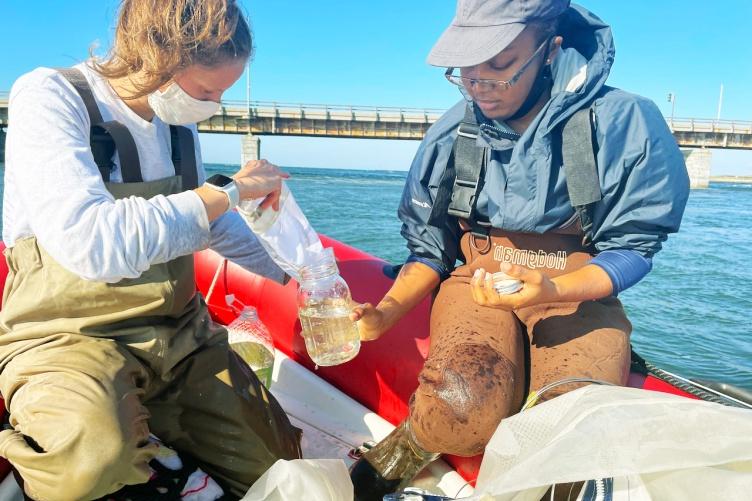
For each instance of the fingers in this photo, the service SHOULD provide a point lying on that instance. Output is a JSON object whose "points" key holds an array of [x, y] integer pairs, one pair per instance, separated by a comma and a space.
{"points": [[482, 288], [489, 293], [266, 202], [476, 286], [484, 294], [366, 333], [368, 319], [275, 200], [271, 200], [261, 169], [258, 179], [253, 165], [359, 311], [521, 273], [262, 165]]}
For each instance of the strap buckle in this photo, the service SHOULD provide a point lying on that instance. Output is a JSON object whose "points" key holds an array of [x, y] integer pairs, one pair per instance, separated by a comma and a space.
{"points": [[468, 130], [468, 163], [586, 223], [463, 198]]}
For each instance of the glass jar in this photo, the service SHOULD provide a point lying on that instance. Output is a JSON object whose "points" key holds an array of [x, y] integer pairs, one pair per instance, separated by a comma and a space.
{"points": [[324, 305]]}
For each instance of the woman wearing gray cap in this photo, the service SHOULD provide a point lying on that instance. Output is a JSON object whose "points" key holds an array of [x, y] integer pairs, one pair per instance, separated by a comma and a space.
{"points": [[543, 174]]}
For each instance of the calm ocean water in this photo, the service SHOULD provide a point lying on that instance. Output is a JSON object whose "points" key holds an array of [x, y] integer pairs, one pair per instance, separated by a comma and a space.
{"points": [[692, 314]]}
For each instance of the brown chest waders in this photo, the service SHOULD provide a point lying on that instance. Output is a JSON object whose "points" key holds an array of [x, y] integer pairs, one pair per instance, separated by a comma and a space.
{"points": [[482, 360]]}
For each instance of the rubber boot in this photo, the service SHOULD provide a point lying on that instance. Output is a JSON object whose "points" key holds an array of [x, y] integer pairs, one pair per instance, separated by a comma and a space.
{"points": [[389, 466]]}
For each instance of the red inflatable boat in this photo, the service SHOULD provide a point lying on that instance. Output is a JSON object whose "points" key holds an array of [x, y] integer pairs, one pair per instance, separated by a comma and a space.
{"points": [[384, 374]]}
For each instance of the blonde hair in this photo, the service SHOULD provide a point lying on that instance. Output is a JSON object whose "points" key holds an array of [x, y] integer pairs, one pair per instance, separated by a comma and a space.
{"points": [[161, 37]]}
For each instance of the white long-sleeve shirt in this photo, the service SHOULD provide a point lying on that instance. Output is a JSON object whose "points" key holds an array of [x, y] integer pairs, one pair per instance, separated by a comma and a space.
{"points": [[54, 191]]}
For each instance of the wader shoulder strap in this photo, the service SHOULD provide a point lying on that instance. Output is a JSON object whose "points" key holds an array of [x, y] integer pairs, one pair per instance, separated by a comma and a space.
{"points": [[184, 155], [106, 137], [440, 208], [119, 135], [469, 162], [78, 81], [580, 170]]}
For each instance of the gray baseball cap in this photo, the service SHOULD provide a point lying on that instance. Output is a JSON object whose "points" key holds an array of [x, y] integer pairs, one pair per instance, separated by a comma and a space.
{"points": [[483, 28]]}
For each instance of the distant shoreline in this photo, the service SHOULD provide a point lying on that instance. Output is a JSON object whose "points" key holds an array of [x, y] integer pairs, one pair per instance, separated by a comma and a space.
{"points": [[731, 179]]}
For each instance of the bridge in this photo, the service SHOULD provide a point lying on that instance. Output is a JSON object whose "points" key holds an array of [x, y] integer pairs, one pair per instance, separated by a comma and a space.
{"points": [[314, 120], [259, 118]]}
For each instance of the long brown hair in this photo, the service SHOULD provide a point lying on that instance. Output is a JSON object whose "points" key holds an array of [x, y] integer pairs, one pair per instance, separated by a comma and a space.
{"points": [[161, 37]]}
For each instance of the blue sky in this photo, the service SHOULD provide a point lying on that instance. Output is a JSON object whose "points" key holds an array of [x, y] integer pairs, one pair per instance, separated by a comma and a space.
{"points": [[373, 53]]}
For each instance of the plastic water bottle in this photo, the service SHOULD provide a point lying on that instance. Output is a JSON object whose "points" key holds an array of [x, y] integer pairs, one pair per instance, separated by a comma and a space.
{"points": [[324, 305], [250, 339]]}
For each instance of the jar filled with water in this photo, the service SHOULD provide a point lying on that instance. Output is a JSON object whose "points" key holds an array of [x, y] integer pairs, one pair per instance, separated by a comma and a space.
{"points": [[324, 305]]}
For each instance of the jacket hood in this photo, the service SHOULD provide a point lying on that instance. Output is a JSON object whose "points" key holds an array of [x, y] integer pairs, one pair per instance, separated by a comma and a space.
{"points": [[591, 39]]}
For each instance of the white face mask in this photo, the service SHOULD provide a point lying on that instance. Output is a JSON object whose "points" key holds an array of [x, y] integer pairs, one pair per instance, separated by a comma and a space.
{"points": [[175, 107]]}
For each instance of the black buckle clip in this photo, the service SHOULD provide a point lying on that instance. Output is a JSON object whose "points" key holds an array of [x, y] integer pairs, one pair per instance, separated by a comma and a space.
{"points": [[463, 197]]}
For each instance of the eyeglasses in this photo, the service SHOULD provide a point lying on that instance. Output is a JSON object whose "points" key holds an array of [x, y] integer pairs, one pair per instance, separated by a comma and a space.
{"points": [[489, 85]]}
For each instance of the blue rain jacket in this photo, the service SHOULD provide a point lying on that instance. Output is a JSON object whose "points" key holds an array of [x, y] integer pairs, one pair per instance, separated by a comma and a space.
{"points": [[642, 174]]}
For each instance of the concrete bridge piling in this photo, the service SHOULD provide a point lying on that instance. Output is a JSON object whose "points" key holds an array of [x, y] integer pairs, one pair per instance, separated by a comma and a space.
{"points": [[698, 166], [250, 148]]}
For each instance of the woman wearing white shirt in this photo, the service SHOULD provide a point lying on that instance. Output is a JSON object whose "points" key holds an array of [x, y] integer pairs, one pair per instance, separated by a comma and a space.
{"points": [[103, 339]]}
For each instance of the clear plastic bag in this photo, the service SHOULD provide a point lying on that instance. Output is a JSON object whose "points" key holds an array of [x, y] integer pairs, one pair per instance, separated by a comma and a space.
{"points": [[654, 446], [286, 234], [303, 479]]}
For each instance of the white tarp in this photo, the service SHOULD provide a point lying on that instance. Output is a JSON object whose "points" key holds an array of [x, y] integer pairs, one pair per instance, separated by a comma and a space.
{"points": [[655, 446]]}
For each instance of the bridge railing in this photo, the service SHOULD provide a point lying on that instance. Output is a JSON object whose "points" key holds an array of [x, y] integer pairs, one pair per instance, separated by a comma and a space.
{"points": [[266, 109], [330, 112], [709, 125]]}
